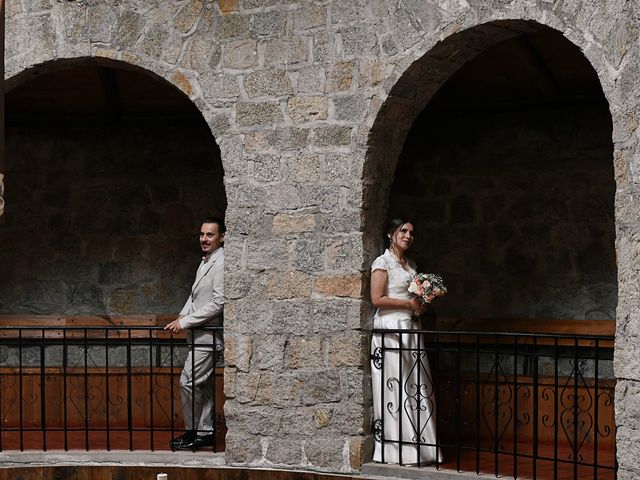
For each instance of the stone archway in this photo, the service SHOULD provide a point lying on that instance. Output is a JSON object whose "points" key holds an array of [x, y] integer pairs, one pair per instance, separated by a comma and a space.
{"points": [[418, 86], [413, 85], [508, 173], [110, 169], [408, 96]]}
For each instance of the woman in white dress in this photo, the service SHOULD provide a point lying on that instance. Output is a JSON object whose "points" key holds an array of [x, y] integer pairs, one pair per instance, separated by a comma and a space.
{"points": [[403, 396]]}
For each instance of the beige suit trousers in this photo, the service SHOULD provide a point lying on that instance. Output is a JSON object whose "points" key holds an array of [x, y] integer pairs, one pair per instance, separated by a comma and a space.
{"points": [[197, 390]]}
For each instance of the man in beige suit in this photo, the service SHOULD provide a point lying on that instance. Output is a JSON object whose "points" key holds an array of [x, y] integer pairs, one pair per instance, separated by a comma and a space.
{"points": [[202, 309]]}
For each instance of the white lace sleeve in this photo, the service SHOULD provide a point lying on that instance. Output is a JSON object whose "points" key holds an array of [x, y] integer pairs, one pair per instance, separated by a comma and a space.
{"points": [[379, 264]]}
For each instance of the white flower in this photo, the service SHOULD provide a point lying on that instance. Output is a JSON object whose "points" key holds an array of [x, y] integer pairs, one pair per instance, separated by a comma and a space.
{"points": [[413, 287]]}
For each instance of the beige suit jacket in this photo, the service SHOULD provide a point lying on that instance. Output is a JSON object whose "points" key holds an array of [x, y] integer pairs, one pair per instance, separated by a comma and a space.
{"points": [[204, 306]]}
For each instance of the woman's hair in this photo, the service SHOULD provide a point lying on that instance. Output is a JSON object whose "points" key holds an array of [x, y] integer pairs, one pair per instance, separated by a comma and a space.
{"points": [[392, 227]]}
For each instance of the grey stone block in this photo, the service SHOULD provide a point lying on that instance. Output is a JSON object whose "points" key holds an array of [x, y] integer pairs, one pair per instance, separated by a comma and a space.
{"points": [[101, 19], [188, 17], [240, 54], [286, 51], [284, 451], [267, 83], [349, 107], [250, 114], [268, 23], [309, 16], [325, 452], [359, 41], [128, 28], [308, 255], [332, 136], [233, 25]]}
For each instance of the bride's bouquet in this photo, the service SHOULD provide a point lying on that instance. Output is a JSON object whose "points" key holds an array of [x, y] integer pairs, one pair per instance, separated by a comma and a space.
{"points": [[423, 285]]}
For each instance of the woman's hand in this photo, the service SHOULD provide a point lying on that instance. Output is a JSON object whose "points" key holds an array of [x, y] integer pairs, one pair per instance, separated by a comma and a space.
{"points": [[418, 307], [415, 306]]}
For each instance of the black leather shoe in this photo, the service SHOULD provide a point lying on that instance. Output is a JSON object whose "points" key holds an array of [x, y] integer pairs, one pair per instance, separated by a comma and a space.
{"points": [[201, 441], [183, 440]]}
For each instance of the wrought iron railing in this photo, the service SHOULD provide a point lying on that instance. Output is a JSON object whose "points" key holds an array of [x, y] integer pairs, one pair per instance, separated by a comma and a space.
{"points": [[518, 404], [96, 388]]}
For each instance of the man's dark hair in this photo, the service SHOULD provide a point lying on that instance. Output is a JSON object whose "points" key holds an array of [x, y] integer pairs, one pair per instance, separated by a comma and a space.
{"points": [[222, 228]]}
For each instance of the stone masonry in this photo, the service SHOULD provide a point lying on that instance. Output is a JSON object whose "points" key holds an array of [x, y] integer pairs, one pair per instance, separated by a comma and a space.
{"points": [[104, 235], [310, 103], [517, 217]]}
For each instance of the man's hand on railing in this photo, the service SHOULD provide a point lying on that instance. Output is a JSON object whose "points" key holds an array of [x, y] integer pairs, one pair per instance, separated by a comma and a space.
{"points": [[174, 326]]}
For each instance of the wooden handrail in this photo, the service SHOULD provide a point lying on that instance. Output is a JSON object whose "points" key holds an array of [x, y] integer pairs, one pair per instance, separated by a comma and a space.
{"points": [[523, 325], [533, 326], [605, 328], [86, 320], [55, 325]]}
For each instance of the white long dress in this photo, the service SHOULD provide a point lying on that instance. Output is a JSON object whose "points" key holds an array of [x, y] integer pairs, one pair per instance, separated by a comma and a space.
{"points": [[403, 396]]}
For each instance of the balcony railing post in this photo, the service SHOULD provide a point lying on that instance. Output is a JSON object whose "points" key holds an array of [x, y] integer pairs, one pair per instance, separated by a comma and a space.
{"points": [[436, 395], [65, 353], [496, 413], [576, 370], [515, 407], [43, 396], [213, 392], [129, 391], [21, 395], [151, 397], [418, 346], [86, 390], [171, 388], [457, 402], [107, 396], [382, 404], [536, 379], [400, 401], [477, 404], [556, 401], [2, 418], [596, 409], [194, 426]]}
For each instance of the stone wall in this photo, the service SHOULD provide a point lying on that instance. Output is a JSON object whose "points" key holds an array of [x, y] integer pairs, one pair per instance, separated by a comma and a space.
{"points": [[105, 219], [518, 215], [310, 103]]}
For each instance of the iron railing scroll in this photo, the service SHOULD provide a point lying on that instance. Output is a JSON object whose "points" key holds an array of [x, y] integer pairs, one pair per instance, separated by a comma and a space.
{"points": [[95, 388], [519, 404]]}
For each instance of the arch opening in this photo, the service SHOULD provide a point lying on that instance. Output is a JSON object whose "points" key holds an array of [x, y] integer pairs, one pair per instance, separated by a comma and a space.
{"points": [[508, 172], [109, 171], [502, 154], [497, 143]]}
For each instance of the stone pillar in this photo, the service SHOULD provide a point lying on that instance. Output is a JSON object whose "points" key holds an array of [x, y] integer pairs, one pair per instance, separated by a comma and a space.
{"points": [[296, 351]]}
